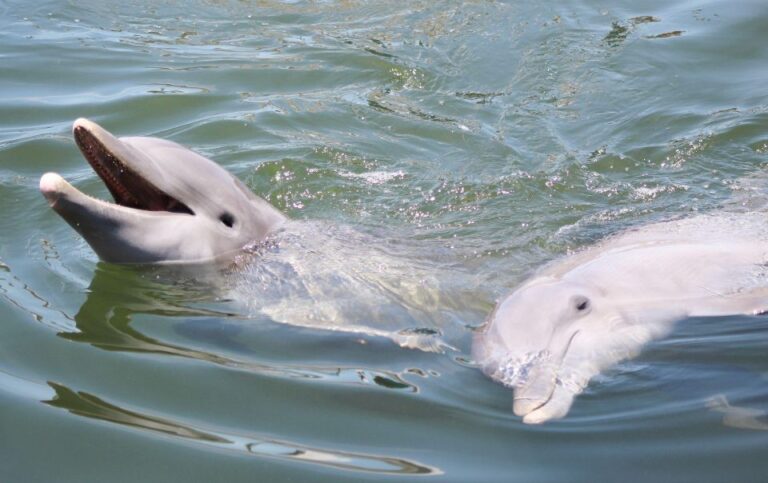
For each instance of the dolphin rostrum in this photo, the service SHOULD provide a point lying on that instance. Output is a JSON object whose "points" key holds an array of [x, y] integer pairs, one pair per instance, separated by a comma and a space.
{"points": [[171, 205]]}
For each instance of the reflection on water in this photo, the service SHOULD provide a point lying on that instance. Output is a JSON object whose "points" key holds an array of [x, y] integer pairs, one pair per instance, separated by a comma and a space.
{"points": [[21, 295], [91, 406], [117, 294], [505, 134]]}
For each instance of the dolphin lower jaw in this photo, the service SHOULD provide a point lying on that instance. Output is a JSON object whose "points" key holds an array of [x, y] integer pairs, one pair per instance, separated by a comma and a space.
{"points": [[52, 186], [112, 230], [74, 205]]}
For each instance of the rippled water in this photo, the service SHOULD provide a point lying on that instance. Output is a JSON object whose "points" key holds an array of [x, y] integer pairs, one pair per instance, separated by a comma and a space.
{"points": [[464, 144]]}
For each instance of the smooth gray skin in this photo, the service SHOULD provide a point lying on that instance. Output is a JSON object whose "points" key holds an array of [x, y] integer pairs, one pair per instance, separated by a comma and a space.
{"points": [[581, 314], [169, 176]]}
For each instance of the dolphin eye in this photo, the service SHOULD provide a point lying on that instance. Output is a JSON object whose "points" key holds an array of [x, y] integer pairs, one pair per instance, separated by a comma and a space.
{"points": [[581, 303], [227, 219]]}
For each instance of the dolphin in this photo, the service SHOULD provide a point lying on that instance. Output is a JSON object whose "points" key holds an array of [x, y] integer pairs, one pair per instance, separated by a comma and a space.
{"points": [[583, 313], [171, 205]]}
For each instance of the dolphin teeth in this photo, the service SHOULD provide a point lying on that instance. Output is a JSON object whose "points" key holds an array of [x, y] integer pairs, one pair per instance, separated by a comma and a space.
{"points": [[105, 165], [128, 188]]}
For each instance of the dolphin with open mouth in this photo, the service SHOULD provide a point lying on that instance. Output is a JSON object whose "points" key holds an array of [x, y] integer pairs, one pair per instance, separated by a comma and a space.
{"points": [[171, 205]]}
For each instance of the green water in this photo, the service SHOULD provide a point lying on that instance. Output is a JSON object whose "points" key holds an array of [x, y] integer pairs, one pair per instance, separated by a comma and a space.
{"points": [[478, 140]]}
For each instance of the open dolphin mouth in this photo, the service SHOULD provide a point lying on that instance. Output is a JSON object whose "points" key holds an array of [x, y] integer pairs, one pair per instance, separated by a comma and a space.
{"points": [[124, 171], [127, 187], [171, 205]]}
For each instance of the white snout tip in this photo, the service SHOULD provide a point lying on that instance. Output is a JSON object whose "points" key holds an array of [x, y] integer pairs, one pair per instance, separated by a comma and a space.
{"points": [[51, 186], [555, 408], [523, 406], [83, 122]]}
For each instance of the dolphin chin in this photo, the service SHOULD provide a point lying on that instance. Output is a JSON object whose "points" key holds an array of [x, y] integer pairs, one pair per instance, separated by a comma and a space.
{"points": [[171, 205]]}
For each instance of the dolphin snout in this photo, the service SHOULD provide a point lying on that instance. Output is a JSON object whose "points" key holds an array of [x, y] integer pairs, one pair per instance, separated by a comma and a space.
{"points": [[52, 186], [537, 389], [522, 406]]}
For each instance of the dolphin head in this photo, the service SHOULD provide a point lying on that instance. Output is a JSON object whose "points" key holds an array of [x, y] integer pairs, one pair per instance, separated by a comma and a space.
{"points": [[534, 332], [171, 205]]}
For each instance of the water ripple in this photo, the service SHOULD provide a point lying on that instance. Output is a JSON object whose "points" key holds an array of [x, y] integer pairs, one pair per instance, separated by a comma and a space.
{"points": [[91, 406]]}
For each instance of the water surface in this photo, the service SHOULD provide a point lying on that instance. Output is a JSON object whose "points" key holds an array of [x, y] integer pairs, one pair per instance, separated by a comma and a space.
{"points": [[465, 144]]}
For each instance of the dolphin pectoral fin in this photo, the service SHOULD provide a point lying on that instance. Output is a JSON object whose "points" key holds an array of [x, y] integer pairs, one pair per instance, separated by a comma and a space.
{"points": [[738, 417], [556, 407]]}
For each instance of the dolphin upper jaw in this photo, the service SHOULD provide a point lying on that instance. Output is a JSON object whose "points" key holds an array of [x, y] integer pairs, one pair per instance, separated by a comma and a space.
{"points": [[127, 172], [104, 225]]}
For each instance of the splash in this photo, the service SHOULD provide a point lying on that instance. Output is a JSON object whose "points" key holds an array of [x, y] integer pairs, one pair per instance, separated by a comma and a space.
{"points": [[515, 371]]}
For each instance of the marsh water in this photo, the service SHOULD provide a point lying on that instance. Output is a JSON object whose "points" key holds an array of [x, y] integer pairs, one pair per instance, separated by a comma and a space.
{"points": [[433, 155]]}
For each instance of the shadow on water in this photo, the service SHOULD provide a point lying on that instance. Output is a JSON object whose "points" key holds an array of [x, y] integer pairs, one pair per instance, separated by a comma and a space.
{"points": [[91, 406]]}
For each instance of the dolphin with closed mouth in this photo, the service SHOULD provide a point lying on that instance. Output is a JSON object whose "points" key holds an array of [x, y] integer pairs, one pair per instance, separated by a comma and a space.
{"points": [[582, 314], [171, 205]]}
